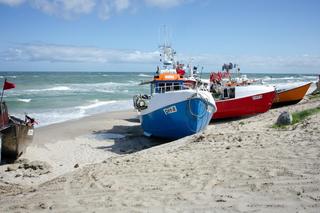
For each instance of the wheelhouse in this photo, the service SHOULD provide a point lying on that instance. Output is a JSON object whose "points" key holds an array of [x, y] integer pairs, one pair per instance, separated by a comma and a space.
{"points": [[167, 86]]}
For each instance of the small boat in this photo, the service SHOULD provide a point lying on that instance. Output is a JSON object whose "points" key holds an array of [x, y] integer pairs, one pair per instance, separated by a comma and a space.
{"points": [[237, 97], [238, 101], [290, 94], [175, 108], [15, 134]]}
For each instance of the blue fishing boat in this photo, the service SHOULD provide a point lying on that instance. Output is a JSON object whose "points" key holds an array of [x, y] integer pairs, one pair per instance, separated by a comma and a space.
{"points": [[176, 106]]}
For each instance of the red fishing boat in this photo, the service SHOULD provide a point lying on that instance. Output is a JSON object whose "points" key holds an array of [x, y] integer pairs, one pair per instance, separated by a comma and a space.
{"points": [[237, 100], [237, 97], [243, 101]]}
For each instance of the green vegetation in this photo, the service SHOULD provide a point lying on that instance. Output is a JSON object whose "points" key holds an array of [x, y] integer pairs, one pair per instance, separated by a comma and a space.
{"points": [[276, 126], [299, 116], [314, 96]]}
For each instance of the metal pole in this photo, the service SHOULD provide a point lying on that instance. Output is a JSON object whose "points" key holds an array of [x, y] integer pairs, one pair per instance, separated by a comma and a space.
{"points": [[1, 109]]}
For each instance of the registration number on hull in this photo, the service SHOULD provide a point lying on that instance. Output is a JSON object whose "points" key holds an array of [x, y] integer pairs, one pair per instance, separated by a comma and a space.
{"points": [[256, 97], [30, 132], [170, 110]]}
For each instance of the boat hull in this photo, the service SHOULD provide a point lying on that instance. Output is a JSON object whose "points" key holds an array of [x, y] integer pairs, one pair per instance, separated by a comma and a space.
{"points": [[244, 106], [290, 96], [178, 119], [15, 138]]}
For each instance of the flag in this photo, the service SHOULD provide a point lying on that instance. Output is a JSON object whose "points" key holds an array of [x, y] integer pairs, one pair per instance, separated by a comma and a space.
{"points": [[8, 85], [181, 72]]}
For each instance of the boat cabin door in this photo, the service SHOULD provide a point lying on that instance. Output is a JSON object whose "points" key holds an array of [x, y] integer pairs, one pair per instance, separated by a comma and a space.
{"points": [[229, 92]]}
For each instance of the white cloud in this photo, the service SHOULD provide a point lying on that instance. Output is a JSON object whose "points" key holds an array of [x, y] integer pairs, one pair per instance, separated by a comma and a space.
{"points": [[70, 9], [75, 54], [257, 63], [121, 4], [78, 54], [63, 8], [164, 3], [104, 10], [108, 7], [12, 2]]}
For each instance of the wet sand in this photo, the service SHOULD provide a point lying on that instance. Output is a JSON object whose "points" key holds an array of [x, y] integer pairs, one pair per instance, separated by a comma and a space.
{"points": [[104, 163]]}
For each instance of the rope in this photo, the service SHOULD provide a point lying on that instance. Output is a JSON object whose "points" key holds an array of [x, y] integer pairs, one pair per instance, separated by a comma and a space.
{"points": [[204, 100]]}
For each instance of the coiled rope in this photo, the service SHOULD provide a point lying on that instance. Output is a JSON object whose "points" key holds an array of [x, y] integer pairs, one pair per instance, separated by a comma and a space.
{"points": [[203, 99]]}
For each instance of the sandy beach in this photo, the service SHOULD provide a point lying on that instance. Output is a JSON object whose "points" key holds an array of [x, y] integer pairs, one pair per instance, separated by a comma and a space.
{"points": [[103, 163]]}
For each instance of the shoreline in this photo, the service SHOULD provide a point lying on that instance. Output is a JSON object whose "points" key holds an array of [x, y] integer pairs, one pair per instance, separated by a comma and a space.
{"points": [[81, 141], [234, 165], [72, 128]]}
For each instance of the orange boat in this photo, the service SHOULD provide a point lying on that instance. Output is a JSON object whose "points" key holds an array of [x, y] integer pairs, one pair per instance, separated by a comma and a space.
{"points": [[290, 95]]}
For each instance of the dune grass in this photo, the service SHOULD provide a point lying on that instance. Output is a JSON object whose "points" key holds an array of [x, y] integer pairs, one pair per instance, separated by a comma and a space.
{"points": [[299, 116], [314, 96]]}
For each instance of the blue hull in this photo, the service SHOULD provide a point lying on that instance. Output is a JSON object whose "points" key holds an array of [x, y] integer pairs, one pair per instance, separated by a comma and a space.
{"points": [[178, 120]]}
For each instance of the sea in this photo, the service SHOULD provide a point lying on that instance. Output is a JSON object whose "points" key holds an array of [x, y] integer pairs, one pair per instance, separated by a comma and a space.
{"points": [[53, 97]]}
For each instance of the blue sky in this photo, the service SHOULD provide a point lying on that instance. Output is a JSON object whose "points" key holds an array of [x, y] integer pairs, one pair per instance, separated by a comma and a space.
{"points": [[123, 35]]}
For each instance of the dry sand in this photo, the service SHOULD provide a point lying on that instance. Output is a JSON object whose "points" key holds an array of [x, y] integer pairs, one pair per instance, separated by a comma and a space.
{"points": [[240, 165]]}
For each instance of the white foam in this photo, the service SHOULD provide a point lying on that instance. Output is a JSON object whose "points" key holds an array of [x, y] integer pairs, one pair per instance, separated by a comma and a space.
{"points": [[52, 116], [96, 104], [289, 85], [144, 75], [58, 88], [25, 100]]}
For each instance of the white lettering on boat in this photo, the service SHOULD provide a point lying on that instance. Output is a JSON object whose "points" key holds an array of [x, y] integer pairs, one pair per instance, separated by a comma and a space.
{"points": [[30, 132], [169, 77], [256, 97], [170, 110]]}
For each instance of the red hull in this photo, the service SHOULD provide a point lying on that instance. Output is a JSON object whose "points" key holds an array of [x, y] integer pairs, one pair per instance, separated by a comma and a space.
{"points": [[244, 106]]}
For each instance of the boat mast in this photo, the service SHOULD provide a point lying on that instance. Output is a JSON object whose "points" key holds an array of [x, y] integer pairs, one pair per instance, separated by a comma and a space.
{"points": [[167, 53]]}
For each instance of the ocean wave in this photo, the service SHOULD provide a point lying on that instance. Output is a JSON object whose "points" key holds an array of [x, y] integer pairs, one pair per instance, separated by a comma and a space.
{"points": [[266, 78], [144, 75], [96, 103], [47, 117], [310, 77], [105, 91], [98, 85], [289, 85], [107, 87], [25, 100], [9, 76], [58, 88]]}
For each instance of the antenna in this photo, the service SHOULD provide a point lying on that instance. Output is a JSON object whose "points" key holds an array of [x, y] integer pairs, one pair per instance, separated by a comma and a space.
{"points": [[164, 36], [167, 53]]}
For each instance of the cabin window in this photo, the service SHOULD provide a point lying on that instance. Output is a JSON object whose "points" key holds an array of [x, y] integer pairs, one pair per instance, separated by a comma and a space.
{"points": [[176, 86], [161, 87], [232, 93], [168, 87], [225, 93]]}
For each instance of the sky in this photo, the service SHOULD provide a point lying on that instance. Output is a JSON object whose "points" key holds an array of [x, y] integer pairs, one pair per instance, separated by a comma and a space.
{"points": [[262, 36]]}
